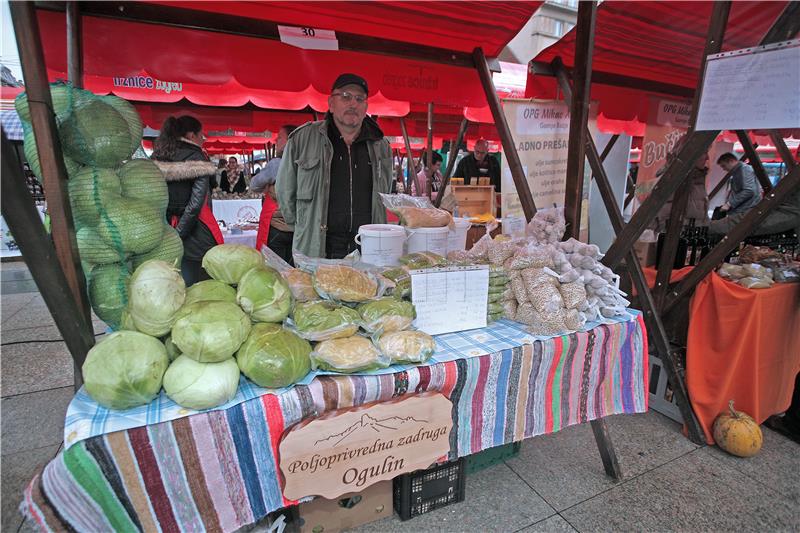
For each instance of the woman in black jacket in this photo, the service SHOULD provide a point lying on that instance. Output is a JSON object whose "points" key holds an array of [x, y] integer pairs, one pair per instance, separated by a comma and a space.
{"points": [[178, 151]]}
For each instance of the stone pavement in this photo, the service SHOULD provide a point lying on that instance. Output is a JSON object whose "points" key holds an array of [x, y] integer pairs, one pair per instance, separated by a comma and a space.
{"points": [[556, 483]]}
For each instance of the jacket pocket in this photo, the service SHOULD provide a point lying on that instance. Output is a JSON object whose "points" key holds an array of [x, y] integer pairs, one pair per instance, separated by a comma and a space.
{"points": [[309, 176]]}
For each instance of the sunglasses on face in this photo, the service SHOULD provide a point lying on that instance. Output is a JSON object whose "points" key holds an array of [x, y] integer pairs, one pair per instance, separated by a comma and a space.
{"points": [[349, 97]]}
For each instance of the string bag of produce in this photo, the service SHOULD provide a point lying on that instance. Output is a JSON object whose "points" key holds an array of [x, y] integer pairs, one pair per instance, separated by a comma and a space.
{"points": [[274, 357], [228, 263], [300, 283], [108, 291], [199, 386], [125, 369], [386, 315], [210, 290], [322, 320], [169, 250], [347, 355], [264, 295], [409, 346], [156, 293], [209, 332], [417, 211]]}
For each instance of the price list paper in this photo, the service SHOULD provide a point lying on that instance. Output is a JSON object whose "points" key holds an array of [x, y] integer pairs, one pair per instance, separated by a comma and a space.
{"points": [[450, 299]]}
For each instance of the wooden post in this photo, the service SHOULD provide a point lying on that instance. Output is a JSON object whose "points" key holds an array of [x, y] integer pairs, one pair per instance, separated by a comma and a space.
{"points": [[579, 117], [42, 260], [607, 150], [786, 186], [716, 34], [74, 45], [54, 173], [506, 138], [429, 162], [651, 316], [755, 161], [412, 168], [451, 161], [783, 150]]}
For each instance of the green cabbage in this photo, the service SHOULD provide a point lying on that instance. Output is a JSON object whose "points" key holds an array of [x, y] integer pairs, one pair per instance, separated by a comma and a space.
{"points": [[210, 290], [265, 295], [210, 332], [90, 190], [229, 262], [130, 115], [386, 315], [132, 225], [157, 292], [322, 320], [172, 351], [32, 155], [170, 249], [108, 292], [62, 96], [94, 250], [142, 180], [273, 357], [125, 369], [96, 134], [201, 385]]}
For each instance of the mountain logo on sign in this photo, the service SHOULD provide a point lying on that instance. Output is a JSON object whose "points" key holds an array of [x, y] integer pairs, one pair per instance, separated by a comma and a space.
{"points": [[366, 423]]}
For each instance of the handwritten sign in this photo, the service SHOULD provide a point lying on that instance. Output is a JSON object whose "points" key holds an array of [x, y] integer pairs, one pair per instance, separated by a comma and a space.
{"points": [[450, 299], [349, 450], [752, 88], [308, 38]]}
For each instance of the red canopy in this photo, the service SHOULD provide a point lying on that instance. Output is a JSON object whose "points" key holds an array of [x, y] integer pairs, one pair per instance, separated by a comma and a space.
{"points": [[159, 62], [656, 42]]}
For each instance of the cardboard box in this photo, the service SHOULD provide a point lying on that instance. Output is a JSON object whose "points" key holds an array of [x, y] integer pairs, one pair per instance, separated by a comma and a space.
{"points": [[646, 252], [350, 510]]}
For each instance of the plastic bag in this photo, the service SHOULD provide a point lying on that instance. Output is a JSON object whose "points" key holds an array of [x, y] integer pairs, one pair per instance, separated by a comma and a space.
{"points": [[500, 250], [547, 226], [574, 320], [347, 355], [322, 320], [730, 271], [544, 296], [422, 260], [520, 292], [407, 346], [574, 294], [345, 284], [526, 314], [394, 201], [510, 309], [755, 283], [537, 276], [532, 256], [386, 315]]}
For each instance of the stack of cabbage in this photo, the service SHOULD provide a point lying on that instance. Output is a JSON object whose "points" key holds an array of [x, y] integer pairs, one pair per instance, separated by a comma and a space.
{"points": [[118, 204], [210, 332]]}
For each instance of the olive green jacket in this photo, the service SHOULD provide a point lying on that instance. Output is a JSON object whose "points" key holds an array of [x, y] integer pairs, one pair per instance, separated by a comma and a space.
{"points": [[304, 180]]}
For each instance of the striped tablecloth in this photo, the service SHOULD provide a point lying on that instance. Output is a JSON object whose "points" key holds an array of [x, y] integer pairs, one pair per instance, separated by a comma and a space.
{"points": [[217, 470]]}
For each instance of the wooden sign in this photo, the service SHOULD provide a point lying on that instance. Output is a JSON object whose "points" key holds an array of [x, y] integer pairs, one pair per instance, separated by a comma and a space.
{"points": [[349, 450]]}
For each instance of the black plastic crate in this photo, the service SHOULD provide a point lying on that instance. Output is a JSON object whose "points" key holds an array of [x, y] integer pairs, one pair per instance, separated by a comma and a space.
{"points": [[425, 490]]}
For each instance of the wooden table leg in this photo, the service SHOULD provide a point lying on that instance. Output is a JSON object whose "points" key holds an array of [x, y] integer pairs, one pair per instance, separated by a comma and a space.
{"points": [[606, 448]]}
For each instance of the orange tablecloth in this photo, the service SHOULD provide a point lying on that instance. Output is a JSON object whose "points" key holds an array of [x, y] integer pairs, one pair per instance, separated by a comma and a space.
{"points": [[744, 345]]}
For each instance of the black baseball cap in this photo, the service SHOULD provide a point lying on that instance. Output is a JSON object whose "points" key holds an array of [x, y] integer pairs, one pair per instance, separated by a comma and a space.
{"points": [[350, 79]]}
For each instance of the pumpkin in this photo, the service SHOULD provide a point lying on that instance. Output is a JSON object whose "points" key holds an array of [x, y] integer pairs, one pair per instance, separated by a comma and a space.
{"points": [[737, 433]]}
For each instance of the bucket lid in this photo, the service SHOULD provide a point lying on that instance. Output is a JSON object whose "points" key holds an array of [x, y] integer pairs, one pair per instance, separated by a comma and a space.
{"points": [[443, 229], [378, 230]]}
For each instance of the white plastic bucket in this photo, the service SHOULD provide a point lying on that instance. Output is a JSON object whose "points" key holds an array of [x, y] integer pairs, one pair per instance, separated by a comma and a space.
{"points": [[381, 244], [457, 238], [428, 240]]}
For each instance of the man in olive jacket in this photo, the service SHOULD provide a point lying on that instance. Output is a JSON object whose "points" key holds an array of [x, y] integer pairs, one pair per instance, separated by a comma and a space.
{"points": [[332, 173]]}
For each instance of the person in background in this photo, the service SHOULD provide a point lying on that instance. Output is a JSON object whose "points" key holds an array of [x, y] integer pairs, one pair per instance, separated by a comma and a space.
{"points": [[179, 154], [217, 179], [432, 174], [744, 192], [479, 164], [272, 227], [697, 205], [232, 179], [332, 174]]}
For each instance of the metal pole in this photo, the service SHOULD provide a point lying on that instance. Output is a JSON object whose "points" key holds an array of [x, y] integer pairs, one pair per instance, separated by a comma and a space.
{"points": [[74, 45], [412, 168], [429, 162], [451, 161]]}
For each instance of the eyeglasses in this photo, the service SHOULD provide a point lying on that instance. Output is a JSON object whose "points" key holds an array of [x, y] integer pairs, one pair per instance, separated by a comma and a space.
{"points": [[349, 97]]}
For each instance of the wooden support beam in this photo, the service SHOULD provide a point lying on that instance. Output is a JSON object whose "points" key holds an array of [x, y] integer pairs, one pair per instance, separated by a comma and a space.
{"points": [[783, 150], [652, 319], [74, 45], [607, 150], [412, 168], [23, 220], [755, 161], [669, 248], [429, 162], [506, 138], [54, 173], [579, 117], [784, 28], [451, 161], [786, 186]]}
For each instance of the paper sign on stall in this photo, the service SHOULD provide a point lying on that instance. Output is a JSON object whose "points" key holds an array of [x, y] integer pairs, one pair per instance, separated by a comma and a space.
{"points": [[450, 299], [309, 38]]}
